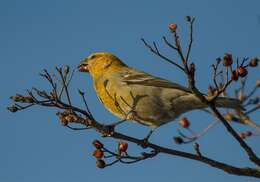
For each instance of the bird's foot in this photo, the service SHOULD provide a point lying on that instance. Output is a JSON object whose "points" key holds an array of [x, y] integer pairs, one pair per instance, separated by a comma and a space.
{"points": [[144, 142], [107, 130]]}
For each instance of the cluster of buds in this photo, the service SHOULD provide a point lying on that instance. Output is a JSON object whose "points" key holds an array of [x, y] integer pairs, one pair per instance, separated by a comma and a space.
{"points": [[22, 99], [245, 134], [99, 154], [12, 108], [67, 117], [100, 151], [241, 70], [227, 60]]}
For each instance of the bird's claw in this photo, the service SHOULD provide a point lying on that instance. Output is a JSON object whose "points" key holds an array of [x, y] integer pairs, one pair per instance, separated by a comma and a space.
{"points": [[144, 142], [108, 130]]}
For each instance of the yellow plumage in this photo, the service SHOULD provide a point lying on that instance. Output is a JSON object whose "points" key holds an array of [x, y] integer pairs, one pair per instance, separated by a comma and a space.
{"points": [[158, 101]]}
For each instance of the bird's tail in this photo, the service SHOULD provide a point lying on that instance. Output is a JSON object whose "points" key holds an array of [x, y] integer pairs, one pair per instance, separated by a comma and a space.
{"points": [[231, 103], [236, 105], [224, 102], [195, 103]]}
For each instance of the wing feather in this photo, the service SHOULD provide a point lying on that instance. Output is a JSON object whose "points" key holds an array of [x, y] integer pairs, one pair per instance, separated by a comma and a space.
{"points": [[142, 78]]}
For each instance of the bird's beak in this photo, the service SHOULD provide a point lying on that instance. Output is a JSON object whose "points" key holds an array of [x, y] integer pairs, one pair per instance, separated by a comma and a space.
{"points": [[83, 67]]}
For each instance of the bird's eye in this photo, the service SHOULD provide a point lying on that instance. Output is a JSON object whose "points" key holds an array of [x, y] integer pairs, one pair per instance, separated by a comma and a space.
{"points": [[93, 57]]}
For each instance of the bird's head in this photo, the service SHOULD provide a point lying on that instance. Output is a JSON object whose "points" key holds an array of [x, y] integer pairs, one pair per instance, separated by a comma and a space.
{"points": [[99, 62]]}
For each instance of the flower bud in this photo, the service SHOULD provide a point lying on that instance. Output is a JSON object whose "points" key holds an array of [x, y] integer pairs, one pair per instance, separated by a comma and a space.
{"points": [[28, 99], [62, 118], [66, 69], [242, 135], [248, 133], [12, 108], [188, 18], [71, 118], [227, 60], [15, 98]]}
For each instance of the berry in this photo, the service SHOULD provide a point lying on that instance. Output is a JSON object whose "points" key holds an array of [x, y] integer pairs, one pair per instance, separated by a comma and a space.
{"points": [[248, 133], [254, 62], [242, 71], [258, 82], [98, 153], [97, 144], [178, 140], [172, 27], [242, 135], [234, 75], [100, 164], [122, 147], [184, 122], [12, 108]]}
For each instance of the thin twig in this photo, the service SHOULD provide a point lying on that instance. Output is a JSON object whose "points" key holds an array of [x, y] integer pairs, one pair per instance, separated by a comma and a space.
{"points": [[161, 56]]}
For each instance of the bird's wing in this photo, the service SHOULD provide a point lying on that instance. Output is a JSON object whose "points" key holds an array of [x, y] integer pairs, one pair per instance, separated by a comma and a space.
{"points": [[142, 78]]}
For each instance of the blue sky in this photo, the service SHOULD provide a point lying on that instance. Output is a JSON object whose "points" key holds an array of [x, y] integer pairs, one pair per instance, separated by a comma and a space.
{"points": [[41, 34]]}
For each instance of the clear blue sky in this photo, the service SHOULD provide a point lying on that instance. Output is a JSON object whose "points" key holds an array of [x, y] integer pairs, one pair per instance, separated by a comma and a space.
{"points": [[41, 34]]}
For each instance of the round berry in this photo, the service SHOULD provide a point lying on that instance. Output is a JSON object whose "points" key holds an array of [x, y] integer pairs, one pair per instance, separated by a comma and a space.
{"points": [[122, 147], [172, 27], [178, 140], [97, 144], [184, 122], [100, 164], [98, 153], [242, 71], [254, 62]]}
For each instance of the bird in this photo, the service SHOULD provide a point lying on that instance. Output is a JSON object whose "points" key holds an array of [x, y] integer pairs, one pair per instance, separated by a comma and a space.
{"points": [[135, 95]]}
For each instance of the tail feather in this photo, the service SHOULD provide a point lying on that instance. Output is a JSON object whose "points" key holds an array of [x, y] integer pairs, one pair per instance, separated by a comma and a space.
{"points": [[229, 103]]}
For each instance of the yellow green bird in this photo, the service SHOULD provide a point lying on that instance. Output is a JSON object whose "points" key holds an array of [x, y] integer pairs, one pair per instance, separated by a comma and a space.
{"points": [[138, 96]]}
